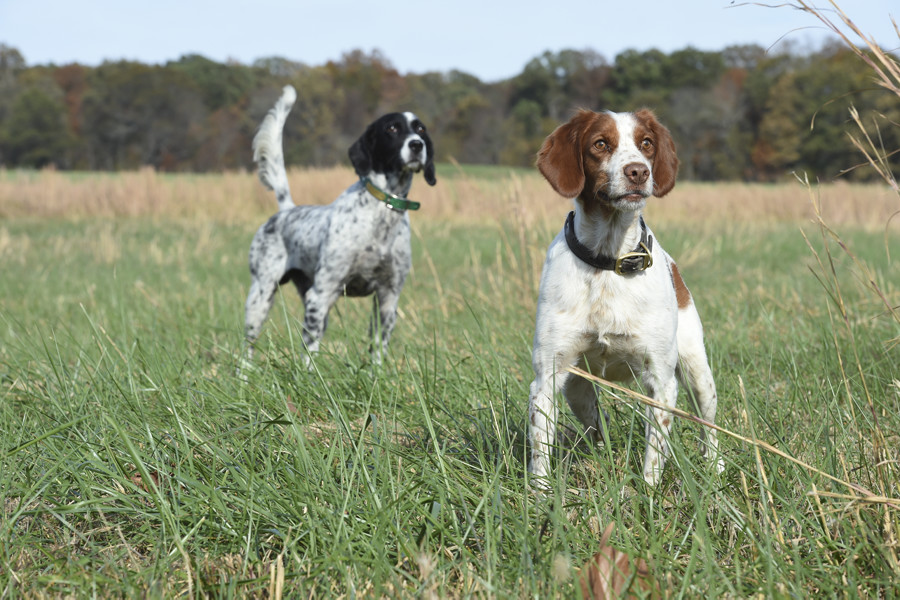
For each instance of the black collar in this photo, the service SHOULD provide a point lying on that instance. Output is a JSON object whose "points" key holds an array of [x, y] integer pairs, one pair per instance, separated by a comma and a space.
{"points": [[637, 260]]}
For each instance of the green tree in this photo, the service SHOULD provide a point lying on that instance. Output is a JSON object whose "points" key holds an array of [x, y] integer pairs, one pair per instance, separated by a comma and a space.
{"points": [[360, 76], [36, 134], [11, 64], [561, 82], [524, 133], [692, 68], [806, 122], [220, 85], [637, 79], [461, 113], [310, 133]]}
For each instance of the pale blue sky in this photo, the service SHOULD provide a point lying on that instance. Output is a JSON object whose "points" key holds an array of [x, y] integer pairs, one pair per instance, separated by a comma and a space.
{"points": [[490, 39]]}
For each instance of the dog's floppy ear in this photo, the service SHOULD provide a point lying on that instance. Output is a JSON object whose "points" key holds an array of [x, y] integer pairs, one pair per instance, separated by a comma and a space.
{"points": [[559, 159], [429, 164], [429, 172], [665, 162], [361, 154]]}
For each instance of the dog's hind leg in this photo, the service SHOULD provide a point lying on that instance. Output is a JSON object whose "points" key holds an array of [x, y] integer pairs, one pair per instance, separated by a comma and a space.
{"points": [[268, 261], [256, 310]]}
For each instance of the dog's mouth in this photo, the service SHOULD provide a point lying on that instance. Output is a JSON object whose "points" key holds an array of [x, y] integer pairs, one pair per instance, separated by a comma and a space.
{"points": [[630, 197]]}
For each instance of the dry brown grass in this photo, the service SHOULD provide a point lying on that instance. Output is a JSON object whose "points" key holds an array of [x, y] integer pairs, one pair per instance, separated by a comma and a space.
{"points": [[506, 195]]}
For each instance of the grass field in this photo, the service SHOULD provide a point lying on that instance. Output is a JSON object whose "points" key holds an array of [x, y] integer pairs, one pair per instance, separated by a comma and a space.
{"points": [[134, 462]]}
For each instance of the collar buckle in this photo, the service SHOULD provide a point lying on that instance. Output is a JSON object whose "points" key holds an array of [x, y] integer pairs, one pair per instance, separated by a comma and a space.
{"points": [[639, 259], [633, 262]]}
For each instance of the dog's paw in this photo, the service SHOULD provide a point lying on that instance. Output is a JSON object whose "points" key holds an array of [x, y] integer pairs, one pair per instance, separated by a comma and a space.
{"points": [[539, 486], [538, 478], [244, 366], [720, 465], [653, 476]]}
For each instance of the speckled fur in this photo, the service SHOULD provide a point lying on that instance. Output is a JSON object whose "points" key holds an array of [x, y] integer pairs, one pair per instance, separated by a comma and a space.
{"points": [[355, 246]]}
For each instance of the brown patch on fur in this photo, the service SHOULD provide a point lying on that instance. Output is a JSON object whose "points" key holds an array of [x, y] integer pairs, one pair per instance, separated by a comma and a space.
{"points": [[662, 153], [682, 294], [572, 162]]}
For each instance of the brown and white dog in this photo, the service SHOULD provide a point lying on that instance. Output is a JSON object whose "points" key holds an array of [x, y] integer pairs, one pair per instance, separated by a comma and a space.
{"points": [[611, 300]]}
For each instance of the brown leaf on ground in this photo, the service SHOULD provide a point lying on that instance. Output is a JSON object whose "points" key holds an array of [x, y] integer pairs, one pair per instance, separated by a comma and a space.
{"points": [[611, 573], [137, 480]]}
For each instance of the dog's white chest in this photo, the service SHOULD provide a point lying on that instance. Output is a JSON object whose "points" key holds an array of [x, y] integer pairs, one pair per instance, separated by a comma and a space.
{"points": [[613, 304], [622, 318]]}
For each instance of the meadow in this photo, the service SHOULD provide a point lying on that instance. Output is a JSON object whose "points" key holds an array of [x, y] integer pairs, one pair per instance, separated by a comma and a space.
{"points": [[135, 462]]}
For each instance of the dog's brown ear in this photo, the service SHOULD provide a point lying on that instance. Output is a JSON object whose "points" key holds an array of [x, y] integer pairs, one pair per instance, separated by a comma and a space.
{"points": [[559, 159], [665, 162]]}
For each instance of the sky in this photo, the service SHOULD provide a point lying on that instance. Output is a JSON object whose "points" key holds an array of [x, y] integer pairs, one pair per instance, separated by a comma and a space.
{"points": [[491, 39]]}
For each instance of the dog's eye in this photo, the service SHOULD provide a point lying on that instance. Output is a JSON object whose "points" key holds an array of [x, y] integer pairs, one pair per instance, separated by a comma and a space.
{"points": [[601, 145], [420, 128], [646, 144], [393, 129]]}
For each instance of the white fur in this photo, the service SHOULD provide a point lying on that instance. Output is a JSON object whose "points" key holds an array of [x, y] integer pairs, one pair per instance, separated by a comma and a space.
{"points": [[267, 149], [410, 157]]}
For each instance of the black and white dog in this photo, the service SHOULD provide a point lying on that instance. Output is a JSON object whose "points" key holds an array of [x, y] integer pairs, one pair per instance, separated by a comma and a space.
{"points": [[357, 245]]}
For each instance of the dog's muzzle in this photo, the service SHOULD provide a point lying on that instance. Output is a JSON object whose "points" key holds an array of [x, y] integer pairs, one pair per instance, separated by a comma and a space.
{"points": [[414, 154]]}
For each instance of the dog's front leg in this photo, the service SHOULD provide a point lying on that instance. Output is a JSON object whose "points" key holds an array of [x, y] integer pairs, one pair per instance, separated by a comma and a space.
{"points": [[543, 413], [384, 317], [318, 302], [664, 390]]}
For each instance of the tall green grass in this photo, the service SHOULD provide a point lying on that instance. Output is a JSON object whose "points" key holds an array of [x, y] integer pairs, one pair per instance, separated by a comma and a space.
{"points": [[133, 461]]}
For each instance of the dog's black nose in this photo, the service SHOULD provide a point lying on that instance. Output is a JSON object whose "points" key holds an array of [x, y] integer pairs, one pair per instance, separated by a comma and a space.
{"points": [[416, 146]]}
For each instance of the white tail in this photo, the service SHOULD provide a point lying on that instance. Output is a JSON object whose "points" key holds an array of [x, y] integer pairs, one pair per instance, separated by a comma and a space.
{"points": [[267, 149]]}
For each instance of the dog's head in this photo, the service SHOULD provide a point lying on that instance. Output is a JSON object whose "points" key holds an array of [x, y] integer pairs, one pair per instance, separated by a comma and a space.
{"points": [[610, 161], [392, 144]]}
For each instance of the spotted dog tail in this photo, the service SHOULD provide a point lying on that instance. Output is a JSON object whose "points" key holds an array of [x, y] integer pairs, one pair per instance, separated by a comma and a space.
{"points": [[267, 149]]}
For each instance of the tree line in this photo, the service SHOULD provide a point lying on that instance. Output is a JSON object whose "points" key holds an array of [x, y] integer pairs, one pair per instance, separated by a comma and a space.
{"points": [[738, 114]]}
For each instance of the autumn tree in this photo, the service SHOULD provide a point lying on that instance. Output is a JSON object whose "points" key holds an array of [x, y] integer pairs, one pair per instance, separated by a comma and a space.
{"points": [[461, 112], [136, 115], [310, 132], [742, 113], [803, 129]]}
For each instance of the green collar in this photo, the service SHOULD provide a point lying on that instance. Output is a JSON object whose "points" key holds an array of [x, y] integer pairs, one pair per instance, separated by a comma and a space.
{"points": [[395, 202]]}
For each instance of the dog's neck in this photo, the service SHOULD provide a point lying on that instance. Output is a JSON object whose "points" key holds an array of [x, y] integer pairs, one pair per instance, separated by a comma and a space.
{"points": [[397, 184], [608, 233]]}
